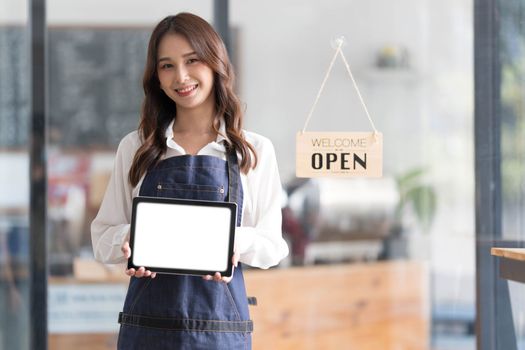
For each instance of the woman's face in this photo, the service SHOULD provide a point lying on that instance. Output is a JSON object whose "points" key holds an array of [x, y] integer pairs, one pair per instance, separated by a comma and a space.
{"points": [[186, 79]]}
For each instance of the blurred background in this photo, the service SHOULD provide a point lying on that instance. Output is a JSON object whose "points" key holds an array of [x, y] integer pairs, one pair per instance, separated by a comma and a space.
{"points": [[393, 258]]}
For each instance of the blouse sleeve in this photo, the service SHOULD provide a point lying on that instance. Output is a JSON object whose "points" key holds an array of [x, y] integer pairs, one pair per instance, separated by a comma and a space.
{"points": [[260, 243], [111, 226]]}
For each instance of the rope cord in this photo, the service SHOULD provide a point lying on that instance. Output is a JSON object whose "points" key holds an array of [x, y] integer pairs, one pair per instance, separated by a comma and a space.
{"points": [[327, 75]]}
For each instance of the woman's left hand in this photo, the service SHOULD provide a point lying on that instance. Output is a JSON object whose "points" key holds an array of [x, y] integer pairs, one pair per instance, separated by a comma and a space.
{"points": [[218, 278]]}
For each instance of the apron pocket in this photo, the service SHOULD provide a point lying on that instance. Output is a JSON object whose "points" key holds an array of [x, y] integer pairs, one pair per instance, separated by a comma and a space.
{"points": [[229, 296], [139, 290], [191, 191]]}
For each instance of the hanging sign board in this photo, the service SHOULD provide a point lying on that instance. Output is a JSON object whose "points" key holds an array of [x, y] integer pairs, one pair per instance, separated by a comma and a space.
{"points": [[339, 154]]}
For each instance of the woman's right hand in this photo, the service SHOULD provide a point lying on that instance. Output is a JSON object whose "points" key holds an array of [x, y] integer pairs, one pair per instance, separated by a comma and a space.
{"points": [[141, 271]]}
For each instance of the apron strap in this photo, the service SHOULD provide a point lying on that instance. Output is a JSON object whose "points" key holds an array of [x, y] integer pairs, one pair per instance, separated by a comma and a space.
{"points": [[186, 324], [233, 178]]}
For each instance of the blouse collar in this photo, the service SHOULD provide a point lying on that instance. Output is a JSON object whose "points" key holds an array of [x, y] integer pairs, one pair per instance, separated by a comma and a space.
{"points": [[221, 136]]}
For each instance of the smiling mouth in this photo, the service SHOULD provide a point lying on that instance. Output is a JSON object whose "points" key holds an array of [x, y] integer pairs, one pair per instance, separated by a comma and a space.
{"points": [[185, 91]]}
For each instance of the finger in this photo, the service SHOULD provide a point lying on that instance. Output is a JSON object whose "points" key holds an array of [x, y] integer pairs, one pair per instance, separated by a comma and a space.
{"points": [[207, 277], [217, 277], [126, 249], [140, 272], [130, 272], [227, 279], [153, 274], [235, 258], [147, 273]]}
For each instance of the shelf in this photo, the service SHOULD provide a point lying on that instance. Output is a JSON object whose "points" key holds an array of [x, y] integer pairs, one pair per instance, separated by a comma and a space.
{"points": [[396, 75]]}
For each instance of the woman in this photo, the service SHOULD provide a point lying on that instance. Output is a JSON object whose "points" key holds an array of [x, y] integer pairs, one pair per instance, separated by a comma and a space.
{"points": [[190, 144]]}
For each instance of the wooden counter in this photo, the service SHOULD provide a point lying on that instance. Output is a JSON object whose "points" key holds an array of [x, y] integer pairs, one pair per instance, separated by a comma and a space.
{"points": [[370, 306], [353, 306], [511, 263], [509, 253]]}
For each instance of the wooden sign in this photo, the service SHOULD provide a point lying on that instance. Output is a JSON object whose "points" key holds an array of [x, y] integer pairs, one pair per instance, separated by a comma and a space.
{"points": [[339, 154]]}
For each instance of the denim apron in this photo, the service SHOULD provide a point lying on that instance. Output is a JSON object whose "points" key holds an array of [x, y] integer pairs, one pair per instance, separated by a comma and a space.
{"points": [[188, 312]]}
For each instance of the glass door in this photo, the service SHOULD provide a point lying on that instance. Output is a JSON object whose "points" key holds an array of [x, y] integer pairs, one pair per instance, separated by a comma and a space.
{"points": [[14, 175]]}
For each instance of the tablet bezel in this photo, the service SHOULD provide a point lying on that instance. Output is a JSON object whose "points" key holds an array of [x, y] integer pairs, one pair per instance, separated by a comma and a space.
{"points": [[182, 271]]}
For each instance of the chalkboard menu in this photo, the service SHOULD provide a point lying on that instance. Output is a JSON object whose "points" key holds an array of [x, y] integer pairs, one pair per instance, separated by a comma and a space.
{"points": [[14, 86], [95, 85]]}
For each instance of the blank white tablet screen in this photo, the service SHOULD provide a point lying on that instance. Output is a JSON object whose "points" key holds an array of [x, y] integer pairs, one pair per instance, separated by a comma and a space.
{"points": [[181, 236]]}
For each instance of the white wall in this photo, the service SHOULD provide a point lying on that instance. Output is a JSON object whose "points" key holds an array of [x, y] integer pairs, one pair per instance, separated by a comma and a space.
{"points": [[122, 12], [114, 12], [13, 12], [285, 54], [14, 180]]}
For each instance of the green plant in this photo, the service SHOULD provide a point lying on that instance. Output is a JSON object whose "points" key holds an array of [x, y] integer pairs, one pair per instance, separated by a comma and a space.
{"points": [[418, 195]]}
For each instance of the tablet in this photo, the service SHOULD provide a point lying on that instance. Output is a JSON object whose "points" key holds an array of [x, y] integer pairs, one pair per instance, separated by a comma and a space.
{"points": [[181, 236]]}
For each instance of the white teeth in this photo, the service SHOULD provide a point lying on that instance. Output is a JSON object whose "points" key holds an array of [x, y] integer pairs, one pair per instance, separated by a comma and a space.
{"points": [[187, 89]]}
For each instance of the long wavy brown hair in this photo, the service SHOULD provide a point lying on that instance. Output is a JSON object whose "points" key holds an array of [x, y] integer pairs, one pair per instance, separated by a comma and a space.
{"points": [[158, 110]]}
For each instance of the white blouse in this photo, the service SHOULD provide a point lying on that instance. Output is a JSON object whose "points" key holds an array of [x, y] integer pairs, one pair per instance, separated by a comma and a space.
{"points": [[259, 238]]}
